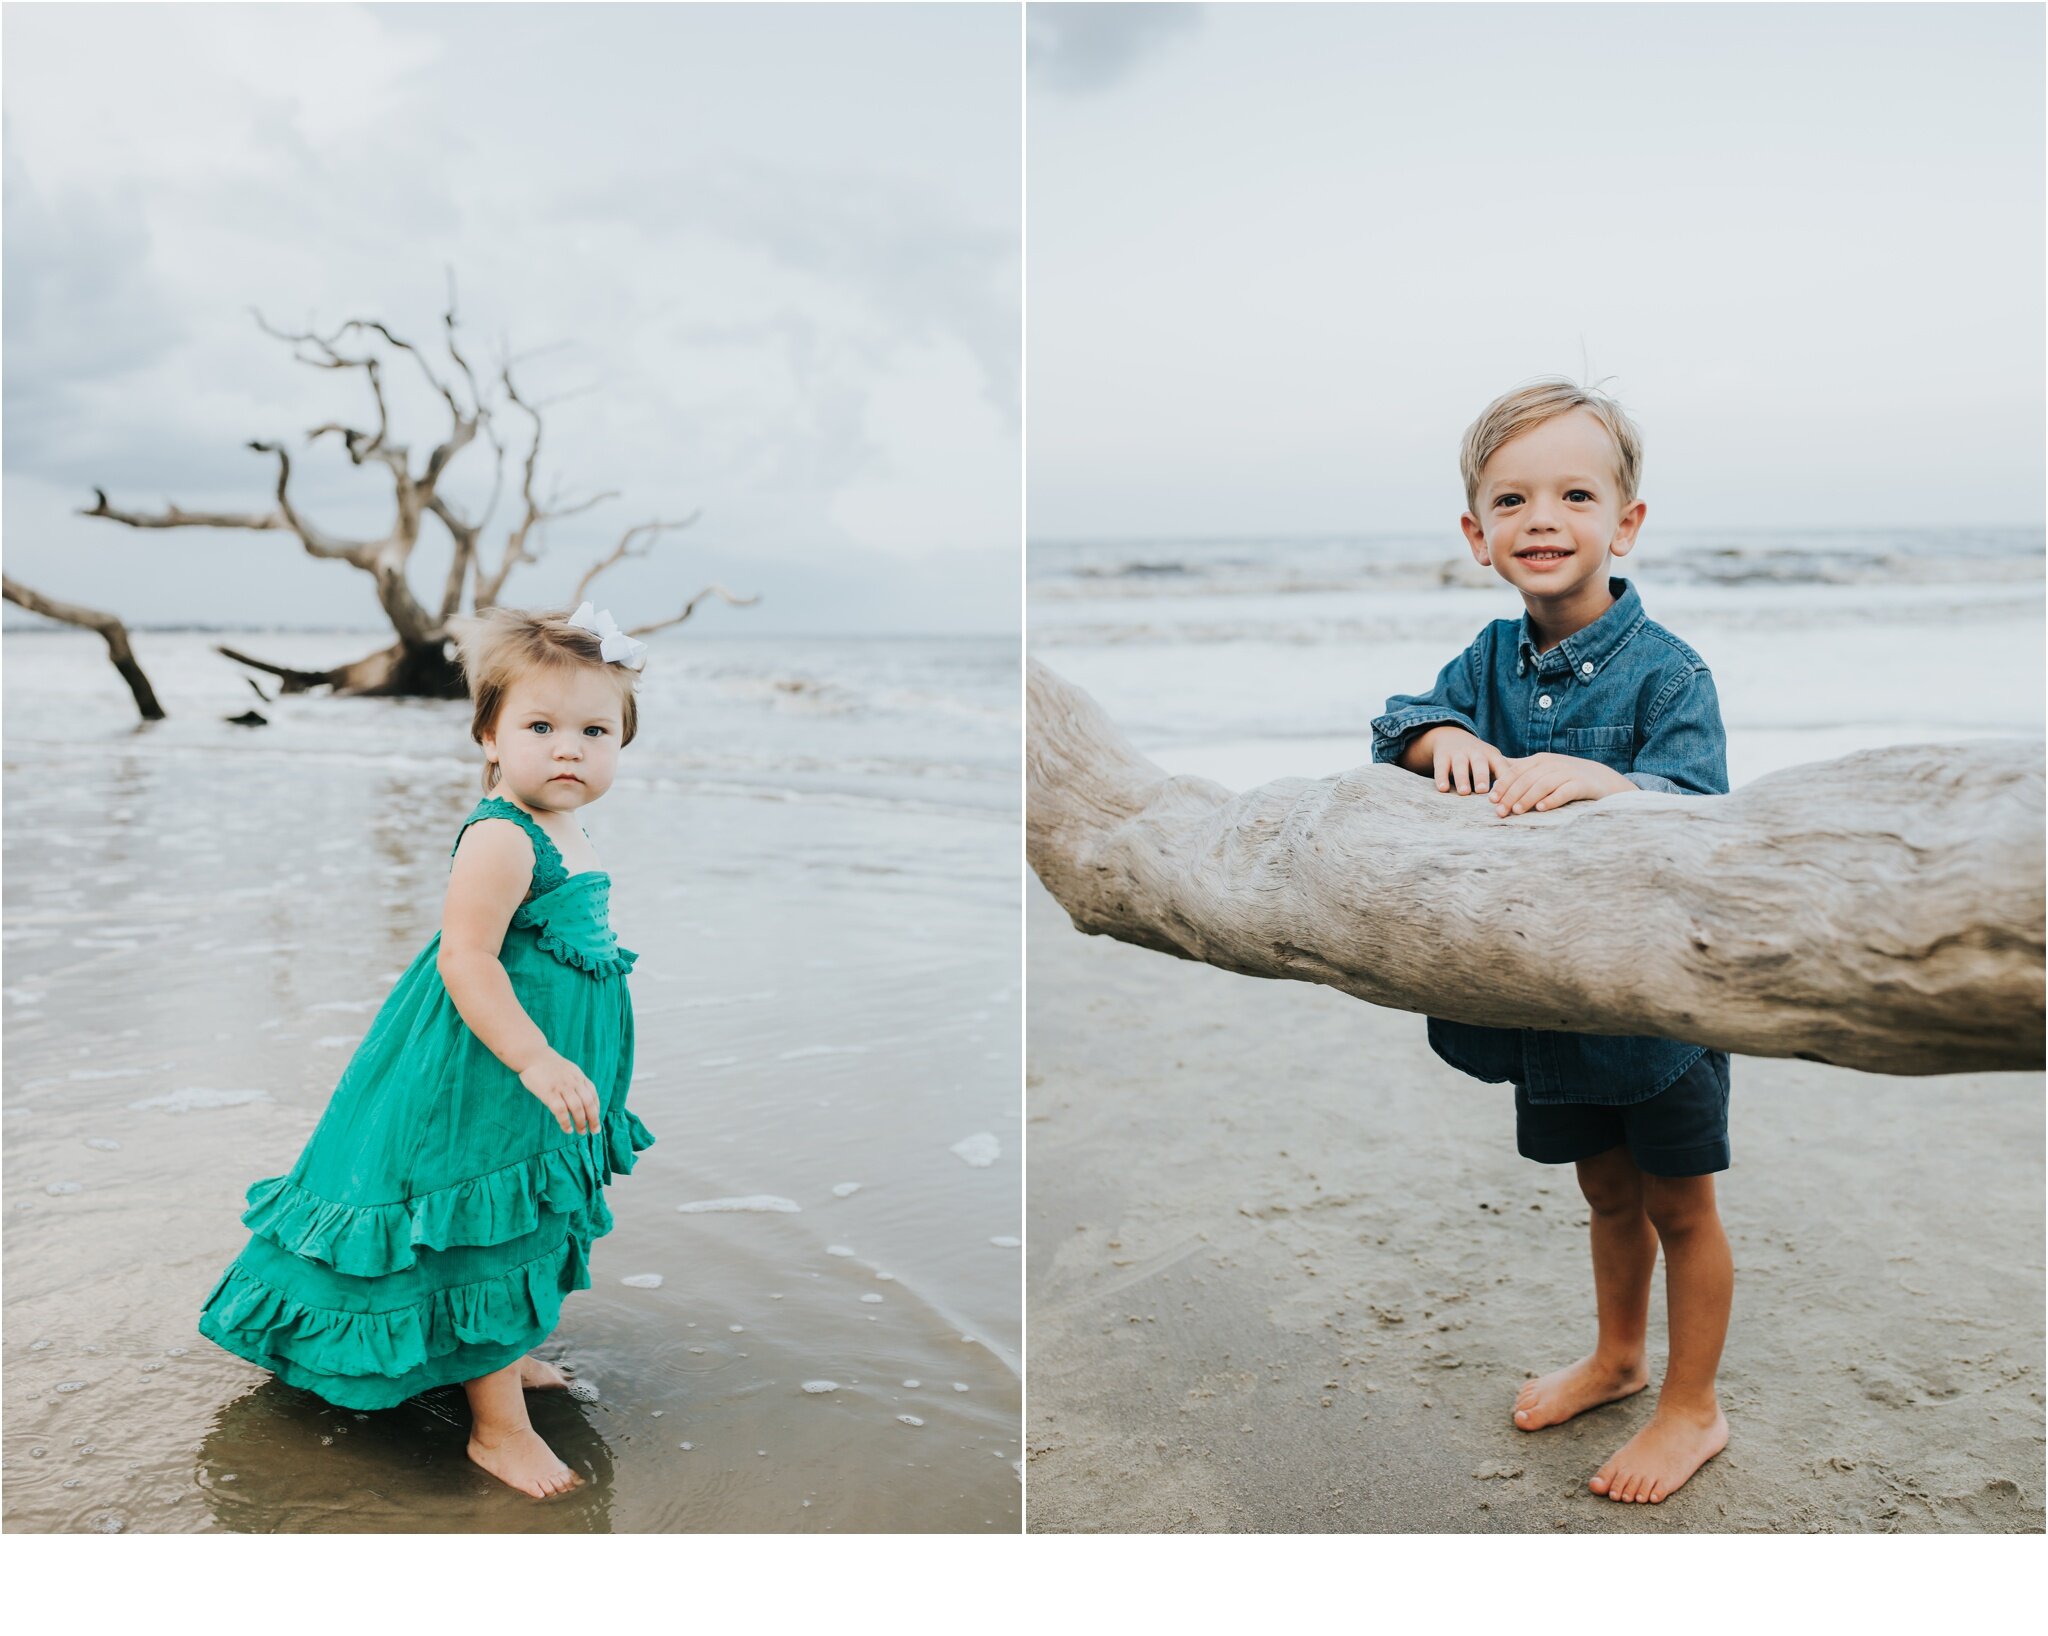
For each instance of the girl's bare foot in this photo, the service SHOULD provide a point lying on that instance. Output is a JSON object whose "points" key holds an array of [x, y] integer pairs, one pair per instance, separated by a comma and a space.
{"points": [[538, 1375], [1574, 1389], [522, 1460], [1659, 1458]]}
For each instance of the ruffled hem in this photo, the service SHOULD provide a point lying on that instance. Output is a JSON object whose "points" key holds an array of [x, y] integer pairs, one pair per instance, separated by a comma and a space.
{"points": [[366, 1240], [374, 1359], [616, 964]]}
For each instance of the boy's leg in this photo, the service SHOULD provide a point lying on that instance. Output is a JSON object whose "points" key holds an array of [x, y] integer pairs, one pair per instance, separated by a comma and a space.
{"points": [[1688, 1428], [502, 1440], [1624, 1261]]}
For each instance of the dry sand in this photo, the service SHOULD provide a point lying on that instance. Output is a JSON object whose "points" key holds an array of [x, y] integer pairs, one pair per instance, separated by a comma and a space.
{"points": [[1286, 1272]]}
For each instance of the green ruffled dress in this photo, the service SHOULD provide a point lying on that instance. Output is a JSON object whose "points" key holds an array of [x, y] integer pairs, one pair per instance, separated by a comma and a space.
{"points": [[438, 1215]]}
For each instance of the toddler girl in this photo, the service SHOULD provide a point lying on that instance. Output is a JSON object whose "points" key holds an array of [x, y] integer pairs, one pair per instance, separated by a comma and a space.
{"points": [[446, 1202]]}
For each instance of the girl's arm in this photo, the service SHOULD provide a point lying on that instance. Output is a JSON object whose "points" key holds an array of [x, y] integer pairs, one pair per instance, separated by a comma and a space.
{"points": [[493, 865]]}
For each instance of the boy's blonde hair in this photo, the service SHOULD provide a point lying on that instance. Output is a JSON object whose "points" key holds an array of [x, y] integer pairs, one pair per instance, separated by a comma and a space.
{"points": [[500, 645], [1513, 413]]}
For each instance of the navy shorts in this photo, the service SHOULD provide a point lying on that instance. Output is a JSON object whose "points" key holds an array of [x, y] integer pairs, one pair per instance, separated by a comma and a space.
{"points": [[1681, 1131]]}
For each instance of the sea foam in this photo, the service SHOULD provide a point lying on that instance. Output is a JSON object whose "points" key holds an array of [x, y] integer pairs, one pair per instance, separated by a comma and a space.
{"points": [[758, 1202]]}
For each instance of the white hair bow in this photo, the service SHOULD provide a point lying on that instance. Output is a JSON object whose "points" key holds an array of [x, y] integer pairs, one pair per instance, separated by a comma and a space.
{"points": [[614, 645]]}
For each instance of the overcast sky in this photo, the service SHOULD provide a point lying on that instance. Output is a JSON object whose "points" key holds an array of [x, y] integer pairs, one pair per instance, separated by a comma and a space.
{"points": [[778, 244], [1279, 256]]}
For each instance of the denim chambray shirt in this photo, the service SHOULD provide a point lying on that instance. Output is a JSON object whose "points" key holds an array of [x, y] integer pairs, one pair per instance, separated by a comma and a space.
{"points": [[1624, 692]]}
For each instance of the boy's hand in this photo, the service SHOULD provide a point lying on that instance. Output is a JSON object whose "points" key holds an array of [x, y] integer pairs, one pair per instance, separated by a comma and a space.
{"points": [[1547, 780], [1461, 759], [566, 1090]]}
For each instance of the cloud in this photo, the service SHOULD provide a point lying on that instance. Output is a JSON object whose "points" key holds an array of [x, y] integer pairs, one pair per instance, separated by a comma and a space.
{"points": [[163, 94], [82, 311], [936, 460], [886, 260], [771, 263], [1086, 48]]}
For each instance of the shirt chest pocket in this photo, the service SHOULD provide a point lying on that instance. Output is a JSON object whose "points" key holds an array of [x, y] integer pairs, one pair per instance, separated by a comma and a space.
{"points": [[1610, 746]]}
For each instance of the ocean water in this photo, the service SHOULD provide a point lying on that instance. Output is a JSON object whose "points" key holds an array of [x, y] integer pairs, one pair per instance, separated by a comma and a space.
{"points": [[814, 846], [1251, 659], [1166, 1094]]}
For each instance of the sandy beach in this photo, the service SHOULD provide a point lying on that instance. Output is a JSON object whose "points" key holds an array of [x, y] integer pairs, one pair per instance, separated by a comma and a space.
{"points": [[1286, 1272], [1286, 1269], [813, 851]]}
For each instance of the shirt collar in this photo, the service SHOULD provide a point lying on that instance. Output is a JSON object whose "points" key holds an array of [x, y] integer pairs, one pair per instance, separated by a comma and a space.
{"points": [[1588, 651]]}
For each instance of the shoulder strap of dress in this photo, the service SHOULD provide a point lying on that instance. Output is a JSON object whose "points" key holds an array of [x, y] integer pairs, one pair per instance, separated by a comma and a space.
{"points": [[548, 869]]}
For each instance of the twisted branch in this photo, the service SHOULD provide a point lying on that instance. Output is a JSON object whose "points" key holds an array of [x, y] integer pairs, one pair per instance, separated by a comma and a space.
{"points": [[111, 630]]}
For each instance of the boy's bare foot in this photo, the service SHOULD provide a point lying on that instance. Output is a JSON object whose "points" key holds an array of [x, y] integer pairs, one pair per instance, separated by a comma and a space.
{"points": [[521, 1459], [538, 1375], [1572, 1390], [1658, 1459]]}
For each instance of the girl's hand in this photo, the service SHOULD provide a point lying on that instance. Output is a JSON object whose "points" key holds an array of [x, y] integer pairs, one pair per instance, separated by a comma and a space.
{"points": [[1463, 759], [1547, 780], [567, 1091]]}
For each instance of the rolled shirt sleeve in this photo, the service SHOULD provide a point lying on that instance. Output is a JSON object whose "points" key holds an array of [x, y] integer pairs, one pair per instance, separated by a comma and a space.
{"points": [[1685, 749], [1454, 700]]}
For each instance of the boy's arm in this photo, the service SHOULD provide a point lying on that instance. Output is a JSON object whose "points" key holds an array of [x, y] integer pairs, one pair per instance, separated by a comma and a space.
{"points": [[1419, 755], [1400, 735], [1684, 752], [1685, 747]]}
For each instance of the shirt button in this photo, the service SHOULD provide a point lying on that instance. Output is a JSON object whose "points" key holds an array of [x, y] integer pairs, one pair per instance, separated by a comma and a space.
{"points": [[1587, 668], [1544, 701]]}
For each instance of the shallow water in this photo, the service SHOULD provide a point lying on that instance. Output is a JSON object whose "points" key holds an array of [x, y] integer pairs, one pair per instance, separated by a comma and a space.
{"points": [[814, 849]]}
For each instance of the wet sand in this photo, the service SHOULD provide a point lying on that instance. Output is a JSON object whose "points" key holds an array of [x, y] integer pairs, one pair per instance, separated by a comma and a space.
{"points": [[199, 925], [1286, 1272]]}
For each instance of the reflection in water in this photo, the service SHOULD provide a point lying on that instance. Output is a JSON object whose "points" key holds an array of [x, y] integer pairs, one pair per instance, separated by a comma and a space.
{"points": [[281, 1461], [816, 851]]}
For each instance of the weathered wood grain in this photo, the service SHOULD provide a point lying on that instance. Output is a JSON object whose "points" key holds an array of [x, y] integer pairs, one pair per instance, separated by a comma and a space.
{"points": [[1882, 911]]}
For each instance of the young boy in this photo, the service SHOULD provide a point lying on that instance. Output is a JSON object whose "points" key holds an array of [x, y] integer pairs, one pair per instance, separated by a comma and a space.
{"points": [[1583, 697]]}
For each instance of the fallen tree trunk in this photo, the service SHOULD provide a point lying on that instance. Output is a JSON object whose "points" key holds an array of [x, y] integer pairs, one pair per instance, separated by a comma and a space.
{"points": [[394, 672], [112, 632], [1883, 911], [419, 663]]}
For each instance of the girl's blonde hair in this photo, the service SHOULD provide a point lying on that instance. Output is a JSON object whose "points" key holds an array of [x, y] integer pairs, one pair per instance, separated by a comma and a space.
{"points": [[500, 645], [1526, 407]]}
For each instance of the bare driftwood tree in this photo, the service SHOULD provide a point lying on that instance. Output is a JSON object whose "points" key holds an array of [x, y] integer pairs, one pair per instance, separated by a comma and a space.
{"points": [[1882, 911], [417, 661], [108, 625]]}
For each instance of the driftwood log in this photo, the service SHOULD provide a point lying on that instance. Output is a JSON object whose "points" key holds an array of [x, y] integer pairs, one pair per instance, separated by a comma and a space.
{"points": [[112, 632], [417, 663], [1882, 911]]}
